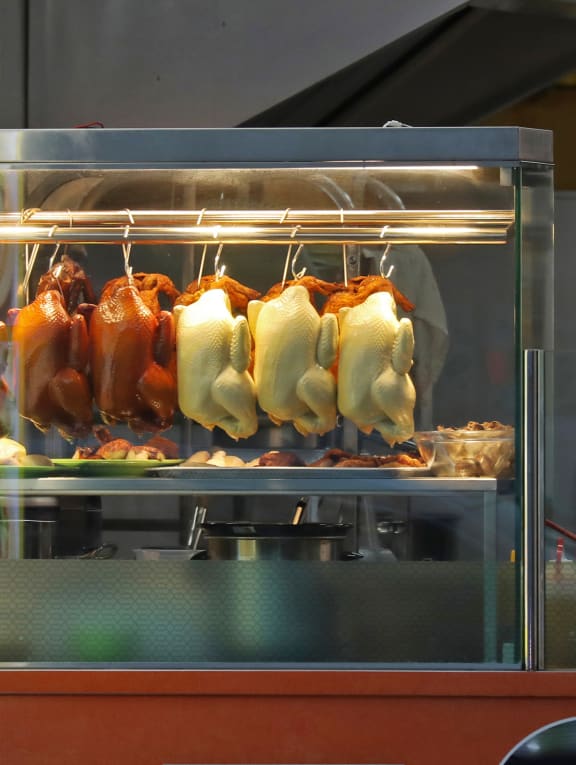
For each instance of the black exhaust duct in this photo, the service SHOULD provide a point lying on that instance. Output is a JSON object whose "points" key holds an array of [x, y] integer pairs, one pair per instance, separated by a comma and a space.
{"points": [[453, 71]]}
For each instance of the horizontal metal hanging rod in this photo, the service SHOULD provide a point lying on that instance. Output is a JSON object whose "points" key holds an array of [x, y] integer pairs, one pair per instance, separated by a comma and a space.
{"points": [[287, 217], [367, 235], [256, 226]]}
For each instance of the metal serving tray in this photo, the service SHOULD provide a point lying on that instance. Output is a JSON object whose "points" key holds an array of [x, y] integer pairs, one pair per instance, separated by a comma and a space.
{"points": [[262, 481], [206, 473]]}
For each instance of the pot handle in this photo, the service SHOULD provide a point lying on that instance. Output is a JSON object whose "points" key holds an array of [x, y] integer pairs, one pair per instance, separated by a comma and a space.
{"points": [[351, 556], [103, 552], [199, 555]]}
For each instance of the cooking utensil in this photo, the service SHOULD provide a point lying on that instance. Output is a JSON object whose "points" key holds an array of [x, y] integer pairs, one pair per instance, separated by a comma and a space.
{"points": [[103, 552], [164, 553], [22, 539], [276, 541], [299, 512], [195, 531]]}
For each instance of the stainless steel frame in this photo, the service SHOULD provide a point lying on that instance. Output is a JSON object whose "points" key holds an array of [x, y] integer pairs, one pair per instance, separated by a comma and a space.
{"points": [[251, 481], [533, 580], [355, 148], [254, 147]]}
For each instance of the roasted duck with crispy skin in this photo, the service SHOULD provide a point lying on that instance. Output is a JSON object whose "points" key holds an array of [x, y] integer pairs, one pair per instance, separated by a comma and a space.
{"points": [[131, 361], [150, 286], [51, 354], [295, 349], [359, 288], [68, 278], [238, 294], [214, 386], [375, 356]]}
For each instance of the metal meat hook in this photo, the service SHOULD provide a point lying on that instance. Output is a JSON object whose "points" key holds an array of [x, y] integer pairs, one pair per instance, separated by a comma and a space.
{"points": [[218, 270]]}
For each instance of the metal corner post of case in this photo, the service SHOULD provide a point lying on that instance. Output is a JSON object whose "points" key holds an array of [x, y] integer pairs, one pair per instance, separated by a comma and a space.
{"points": [[533, 583]]}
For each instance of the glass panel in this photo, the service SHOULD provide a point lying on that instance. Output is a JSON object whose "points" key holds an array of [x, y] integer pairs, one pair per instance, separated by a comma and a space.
{"points": [[268, 611], [559, 554]]}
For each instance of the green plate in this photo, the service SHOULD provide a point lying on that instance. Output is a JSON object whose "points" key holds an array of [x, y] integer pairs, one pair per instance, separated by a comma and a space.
{"points": [[111, 468], [27, 471]]}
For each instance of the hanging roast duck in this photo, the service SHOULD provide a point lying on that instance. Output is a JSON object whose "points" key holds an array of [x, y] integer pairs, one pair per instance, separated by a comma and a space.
{"points": [[50, 339], [150, 288], [51, 355], [132, 360], [67, 277]]}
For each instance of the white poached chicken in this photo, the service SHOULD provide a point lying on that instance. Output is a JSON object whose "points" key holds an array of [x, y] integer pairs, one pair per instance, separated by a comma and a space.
{"points": [[213, 355], [375, 355], [294, 350]]}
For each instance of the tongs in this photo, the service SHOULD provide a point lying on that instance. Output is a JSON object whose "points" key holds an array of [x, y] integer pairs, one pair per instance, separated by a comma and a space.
{"points": [[196, 527]]}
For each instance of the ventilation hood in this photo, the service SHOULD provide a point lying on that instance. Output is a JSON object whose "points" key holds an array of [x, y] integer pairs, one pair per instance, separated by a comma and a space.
{"points": [[454, 70]]}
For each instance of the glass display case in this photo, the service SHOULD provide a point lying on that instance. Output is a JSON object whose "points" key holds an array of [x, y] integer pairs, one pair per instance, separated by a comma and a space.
{"points": [[274, 398]]}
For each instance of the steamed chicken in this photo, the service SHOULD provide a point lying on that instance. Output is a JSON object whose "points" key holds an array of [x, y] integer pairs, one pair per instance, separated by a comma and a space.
{"points": [[213, 354], [294, 350], [375, 355]]}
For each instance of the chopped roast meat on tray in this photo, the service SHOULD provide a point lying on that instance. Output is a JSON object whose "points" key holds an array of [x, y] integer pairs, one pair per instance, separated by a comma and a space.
{"points": [[337, 458], [477, 426], [330, 458], [157, 448], [281, 459]]}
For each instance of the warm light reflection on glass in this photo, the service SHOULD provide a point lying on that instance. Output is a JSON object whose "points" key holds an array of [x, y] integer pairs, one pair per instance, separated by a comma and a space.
{"points": [[435, 168], [434, 231]]}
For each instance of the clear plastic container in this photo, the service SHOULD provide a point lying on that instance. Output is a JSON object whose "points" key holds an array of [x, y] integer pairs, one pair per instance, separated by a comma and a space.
{"points": [[468, 453]]}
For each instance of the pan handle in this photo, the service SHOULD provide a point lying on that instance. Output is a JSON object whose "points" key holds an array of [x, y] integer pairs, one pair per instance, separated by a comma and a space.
{"points": [[103, 552], [199, 555], [299, 512]]}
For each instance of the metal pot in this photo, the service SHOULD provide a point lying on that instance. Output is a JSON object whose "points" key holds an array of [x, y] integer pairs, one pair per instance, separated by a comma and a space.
{"points": [[27, 527], [26, 539], [276, 541], [51, 527]]}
